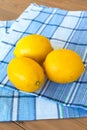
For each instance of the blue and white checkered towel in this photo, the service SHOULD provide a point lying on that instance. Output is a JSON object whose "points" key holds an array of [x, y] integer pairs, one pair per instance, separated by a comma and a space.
{"points": [[65, 29]]}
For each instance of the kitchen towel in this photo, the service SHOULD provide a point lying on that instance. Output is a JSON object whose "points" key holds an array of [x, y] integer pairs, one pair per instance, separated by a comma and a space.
{"points": [[67, 30]]}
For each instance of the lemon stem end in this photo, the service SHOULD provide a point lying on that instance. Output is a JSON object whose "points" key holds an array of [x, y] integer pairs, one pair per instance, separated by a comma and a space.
{"points": [[37, 83]]}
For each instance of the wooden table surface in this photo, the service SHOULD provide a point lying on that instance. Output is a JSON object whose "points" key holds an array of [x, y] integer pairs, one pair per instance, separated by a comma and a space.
{"points": [[11, 9]]}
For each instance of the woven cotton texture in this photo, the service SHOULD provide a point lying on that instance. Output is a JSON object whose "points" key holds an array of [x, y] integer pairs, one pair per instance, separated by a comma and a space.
{"points": [[65, 29]]}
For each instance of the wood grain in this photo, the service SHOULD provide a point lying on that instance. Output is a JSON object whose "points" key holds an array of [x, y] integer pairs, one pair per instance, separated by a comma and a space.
{"points": [[10, 126], [62, 124], [11, 9]]}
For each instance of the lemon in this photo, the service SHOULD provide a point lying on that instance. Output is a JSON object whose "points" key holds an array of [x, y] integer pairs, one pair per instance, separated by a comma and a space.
{"points": [[63, 66], [25, 74], [34, 46]]}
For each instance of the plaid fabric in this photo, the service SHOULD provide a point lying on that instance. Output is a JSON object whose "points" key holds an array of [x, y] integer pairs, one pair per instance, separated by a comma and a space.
{"points": [[67, 30], [17, 106], [4, 27]]}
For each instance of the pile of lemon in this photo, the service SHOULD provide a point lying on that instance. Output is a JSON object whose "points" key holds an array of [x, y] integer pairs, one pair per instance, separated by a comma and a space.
{"points": [[35, 58]]}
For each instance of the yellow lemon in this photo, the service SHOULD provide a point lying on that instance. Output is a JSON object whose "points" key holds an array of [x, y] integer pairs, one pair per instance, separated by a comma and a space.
{"points": [[63, 66], [33, 46], [26, 74]]}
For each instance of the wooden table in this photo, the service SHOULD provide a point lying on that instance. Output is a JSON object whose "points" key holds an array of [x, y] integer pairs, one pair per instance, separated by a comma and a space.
{"points": [[11, 9]]}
